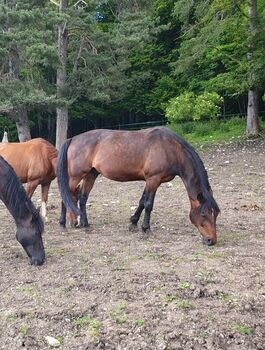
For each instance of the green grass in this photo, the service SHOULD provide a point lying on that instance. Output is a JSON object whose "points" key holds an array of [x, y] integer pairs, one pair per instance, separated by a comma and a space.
{"points": [[23, 329], [212, 131], [226, 297], [139, 322], [242, 329], [184, 304], [118, 313], [88, 321], [167, 299], [184, 285]]}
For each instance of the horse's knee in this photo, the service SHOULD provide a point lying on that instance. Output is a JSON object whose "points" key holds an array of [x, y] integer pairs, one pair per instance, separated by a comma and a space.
{"points": [[148, 205]]}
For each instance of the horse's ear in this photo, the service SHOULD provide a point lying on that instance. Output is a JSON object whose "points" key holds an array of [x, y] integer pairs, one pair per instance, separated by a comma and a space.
{"points": [[201, 198]]}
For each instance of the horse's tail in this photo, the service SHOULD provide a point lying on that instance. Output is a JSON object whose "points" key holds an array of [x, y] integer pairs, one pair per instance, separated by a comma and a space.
{"points": [[63, 178]]}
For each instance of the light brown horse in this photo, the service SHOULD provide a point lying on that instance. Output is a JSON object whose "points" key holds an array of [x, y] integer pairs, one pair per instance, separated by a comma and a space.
{"points": [[154, 155], [34, 163]]}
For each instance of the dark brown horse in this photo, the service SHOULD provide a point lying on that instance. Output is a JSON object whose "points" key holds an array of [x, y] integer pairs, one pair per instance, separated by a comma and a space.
{"points": [[34, 163], [28, 221], [154, 155]]}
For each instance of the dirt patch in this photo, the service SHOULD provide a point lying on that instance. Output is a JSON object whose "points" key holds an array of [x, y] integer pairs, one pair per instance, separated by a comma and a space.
{"points": [[107, 288]]}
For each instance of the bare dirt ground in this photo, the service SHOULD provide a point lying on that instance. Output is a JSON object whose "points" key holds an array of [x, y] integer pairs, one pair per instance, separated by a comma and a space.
{"points": [[107, 288]]}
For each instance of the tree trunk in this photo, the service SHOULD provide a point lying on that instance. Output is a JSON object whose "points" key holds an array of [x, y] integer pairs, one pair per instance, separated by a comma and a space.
{"points": [[252, 113], [62, 112], [253, 127], [61, 126], [22, 123]]}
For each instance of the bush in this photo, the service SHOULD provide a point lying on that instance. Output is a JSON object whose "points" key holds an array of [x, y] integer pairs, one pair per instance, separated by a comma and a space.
{"points": [[180, 108], [188, 106], [207, 105]]}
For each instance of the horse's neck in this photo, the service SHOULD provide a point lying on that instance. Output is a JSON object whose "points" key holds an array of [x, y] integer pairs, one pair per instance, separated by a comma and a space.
{"points": [[18, 210], [191, 179]]}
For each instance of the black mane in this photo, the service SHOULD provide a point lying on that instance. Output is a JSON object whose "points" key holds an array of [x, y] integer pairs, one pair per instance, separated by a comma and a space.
{"points": [[16, 199], [208, 200]]}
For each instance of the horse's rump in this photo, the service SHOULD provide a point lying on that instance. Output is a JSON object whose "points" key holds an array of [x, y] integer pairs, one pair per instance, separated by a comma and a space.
{"points": [[34, 159]]}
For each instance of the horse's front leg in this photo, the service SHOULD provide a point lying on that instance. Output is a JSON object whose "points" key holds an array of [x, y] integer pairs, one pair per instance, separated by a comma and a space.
{"points": [[31, 187], [148, 206], [82, 205], [44, 199], [136, 216], [150, 192]]}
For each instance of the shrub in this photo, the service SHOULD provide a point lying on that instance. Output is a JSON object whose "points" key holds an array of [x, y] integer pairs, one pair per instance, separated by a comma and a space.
{"points": [[188, 107], [207, 105], [180, 108]]}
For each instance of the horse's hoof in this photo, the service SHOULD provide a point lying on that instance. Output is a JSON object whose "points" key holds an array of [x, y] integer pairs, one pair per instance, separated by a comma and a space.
{"points": [[86, 227], [146, 231], [63, 229], [133, 228]]}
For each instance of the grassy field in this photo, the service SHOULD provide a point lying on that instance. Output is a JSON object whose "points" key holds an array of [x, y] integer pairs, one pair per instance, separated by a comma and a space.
{"points": [[212, 131]]}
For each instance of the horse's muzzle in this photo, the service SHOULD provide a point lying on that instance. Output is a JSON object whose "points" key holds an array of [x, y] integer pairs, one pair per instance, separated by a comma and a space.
{"points": [[208, 241], [37, 261]]}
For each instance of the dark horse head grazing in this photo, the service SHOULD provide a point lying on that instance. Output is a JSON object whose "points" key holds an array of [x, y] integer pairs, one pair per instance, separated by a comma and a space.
{"points": [[28, 221], [154, 155]]}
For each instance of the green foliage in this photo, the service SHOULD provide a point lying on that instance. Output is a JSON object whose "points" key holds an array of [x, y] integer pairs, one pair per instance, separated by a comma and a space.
{"points": [[8, 125], [181, 108], [188, 107], [207, 105], [134, 61]]}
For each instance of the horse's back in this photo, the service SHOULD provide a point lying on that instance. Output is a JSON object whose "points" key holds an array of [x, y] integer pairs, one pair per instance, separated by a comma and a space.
{"points": [[121, 155]]}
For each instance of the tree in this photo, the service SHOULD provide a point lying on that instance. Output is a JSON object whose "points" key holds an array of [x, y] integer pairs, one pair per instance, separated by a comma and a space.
{"points": [[62, 111], [253, 95], [221, 51], [25, 52]]}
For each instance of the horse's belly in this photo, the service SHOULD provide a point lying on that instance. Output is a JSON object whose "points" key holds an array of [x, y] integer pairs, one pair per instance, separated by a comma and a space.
{"points": [[120, 174]]}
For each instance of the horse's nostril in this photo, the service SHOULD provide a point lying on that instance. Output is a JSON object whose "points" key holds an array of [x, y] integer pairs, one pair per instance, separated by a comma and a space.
{"points": [[208, 241], [36, 261]]}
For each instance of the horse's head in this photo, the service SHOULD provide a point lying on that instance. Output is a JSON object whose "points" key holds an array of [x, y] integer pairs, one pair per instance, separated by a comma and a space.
{"points": [[203, 216], [29, 235]]}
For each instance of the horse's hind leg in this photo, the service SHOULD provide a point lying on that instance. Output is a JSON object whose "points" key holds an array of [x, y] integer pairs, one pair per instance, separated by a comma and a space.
{"points": [[62, 220], [86, 187], [136, 216]]}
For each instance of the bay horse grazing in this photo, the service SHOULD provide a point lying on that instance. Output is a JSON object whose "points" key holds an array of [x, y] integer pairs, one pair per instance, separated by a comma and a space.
{"points": [[27, 218], [34, 162], [155, 155]]}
